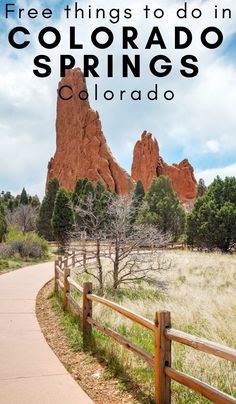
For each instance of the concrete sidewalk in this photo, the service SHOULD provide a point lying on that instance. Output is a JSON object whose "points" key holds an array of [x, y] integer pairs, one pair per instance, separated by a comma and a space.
{"points": [[30, 373]]}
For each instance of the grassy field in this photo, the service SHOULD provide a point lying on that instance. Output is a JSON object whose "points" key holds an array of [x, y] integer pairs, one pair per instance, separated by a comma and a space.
{"points": [[201, 298]]}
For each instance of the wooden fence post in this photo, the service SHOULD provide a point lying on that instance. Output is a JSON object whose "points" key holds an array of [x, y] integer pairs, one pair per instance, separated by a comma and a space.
{"points": [[87, 308], [162, 359], [56, 263], [66, 283], [73, 259], [84, 259], [60, 262]]}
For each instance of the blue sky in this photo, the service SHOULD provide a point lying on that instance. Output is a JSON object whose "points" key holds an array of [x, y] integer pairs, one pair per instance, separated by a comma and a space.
{"points": [[199, 124]]}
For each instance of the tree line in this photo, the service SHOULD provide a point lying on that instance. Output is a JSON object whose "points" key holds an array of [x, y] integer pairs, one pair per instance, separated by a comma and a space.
{"points": [[210, 225]]}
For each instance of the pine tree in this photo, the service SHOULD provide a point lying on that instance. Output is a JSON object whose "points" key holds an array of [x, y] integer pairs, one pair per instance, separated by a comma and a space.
{"points": [[62, 218], [44, 225], [35, 202], [137, 200], [100, 188], [3, 224], [161, 207], [89, 189], [202, 188], [24, 200], [79, 186], [212, 222]]}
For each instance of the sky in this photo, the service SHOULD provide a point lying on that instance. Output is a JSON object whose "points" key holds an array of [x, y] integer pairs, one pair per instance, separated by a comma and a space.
{"points": [[199, 124]]}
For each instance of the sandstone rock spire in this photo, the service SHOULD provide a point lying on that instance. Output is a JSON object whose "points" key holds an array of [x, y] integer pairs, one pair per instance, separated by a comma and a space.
{"points": [[81, 147], [148, 164]]}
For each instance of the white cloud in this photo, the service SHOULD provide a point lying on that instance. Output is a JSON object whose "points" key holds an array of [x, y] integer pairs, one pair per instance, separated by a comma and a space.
{"points": [[199, 123], [212, 146], [210, 174]]}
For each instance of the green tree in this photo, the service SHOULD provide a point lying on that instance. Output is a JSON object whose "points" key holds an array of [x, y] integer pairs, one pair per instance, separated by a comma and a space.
{"points": [[79, 186], [44, 225], [202, 188], [83, 188], [3, 224], [212, 222], [100, 188], [161, 207], [35, 202], [88, 189], [24, 200], [62, 218], [137, 200]]}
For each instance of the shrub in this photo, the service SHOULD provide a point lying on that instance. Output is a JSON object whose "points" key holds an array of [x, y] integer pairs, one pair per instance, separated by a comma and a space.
{"points": [[41, 241], [22, 249], [6, 251], [14, 234], [31, 249], [28, 245]]}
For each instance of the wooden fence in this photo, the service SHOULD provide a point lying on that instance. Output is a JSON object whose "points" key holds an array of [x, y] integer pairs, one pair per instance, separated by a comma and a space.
{"points": [[164, 334]]}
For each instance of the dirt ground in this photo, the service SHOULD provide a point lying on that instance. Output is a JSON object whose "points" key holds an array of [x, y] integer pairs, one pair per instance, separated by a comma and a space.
{"points": [[84, 368]]}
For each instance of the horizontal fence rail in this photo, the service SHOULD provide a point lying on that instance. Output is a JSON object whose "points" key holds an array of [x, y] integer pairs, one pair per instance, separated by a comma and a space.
{"points": [[163, 334], [125, 312]]}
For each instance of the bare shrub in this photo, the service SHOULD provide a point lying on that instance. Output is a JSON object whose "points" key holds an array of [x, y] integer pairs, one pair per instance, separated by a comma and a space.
{"points": [[130, 261], [24, 217], [6, 251], [21, 248]]}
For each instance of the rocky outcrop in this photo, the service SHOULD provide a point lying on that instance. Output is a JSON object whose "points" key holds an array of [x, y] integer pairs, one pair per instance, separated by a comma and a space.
{"points": [[81, 148], [145, 160], [148, 164]]}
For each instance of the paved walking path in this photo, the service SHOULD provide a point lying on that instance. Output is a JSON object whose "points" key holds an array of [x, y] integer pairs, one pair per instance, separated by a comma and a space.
{"points": [[30, 373]]}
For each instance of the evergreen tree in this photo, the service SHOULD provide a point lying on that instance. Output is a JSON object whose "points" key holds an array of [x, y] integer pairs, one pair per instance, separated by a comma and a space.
{"points": [[35, 202], [161, 207], [89, 189], [202, 188], [62, 218], [24, 200], [3, 223], [212, 222], [100, 188], [10, 205], [137, 200], [79, 186], [44, 225]]}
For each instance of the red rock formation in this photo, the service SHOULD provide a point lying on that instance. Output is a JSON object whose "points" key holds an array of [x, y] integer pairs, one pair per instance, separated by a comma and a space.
{"points": [[146, 159], [82, 151], [148, 164], [81, 148]]}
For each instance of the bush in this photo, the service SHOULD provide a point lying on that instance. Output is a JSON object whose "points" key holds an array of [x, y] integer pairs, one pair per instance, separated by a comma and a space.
{"points": [[22, 249], [31, 249], [21, 245], [6, 251], [14, 234], [37, 239]]}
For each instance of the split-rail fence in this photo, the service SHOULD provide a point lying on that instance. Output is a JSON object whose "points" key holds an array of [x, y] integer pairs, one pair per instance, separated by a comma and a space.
{"points": [[163, 333]]}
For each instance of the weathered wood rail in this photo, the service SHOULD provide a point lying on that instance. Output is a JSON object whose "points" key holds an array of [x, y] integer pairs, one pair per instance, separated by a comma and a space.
{"points": [[164, 335]]}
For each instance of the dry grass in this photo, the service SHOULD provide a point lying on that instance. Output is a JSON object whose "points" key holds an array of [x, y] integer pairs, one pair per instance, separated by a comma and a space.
{"points": [[201, 299]]}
